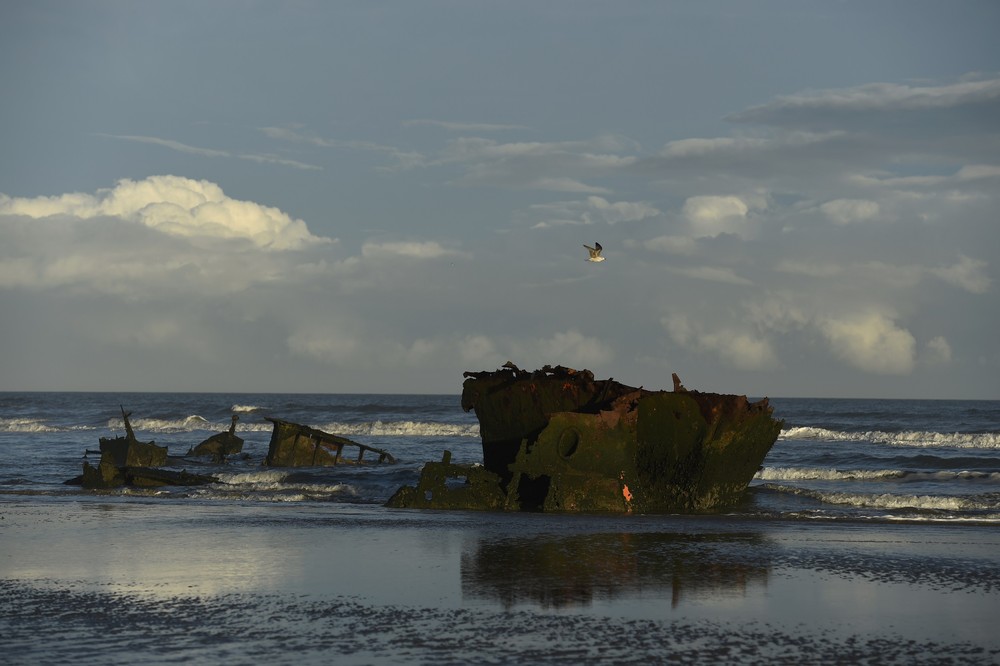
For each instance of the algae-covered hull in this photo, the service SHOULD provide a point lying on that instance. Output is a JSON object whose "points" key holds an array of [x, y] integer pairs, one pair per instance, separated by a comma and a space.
{"points": [[556, 439]]}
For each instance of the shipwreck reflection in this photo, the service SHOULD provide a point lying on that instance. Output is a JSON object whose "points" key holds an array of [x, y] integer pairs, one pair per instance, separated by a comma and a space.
{"points": [[576, 571]]}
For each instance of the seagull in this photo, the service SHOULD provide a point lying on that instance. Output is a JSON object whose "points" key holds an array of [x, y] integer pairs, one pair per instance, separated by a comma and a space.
{"points": [[595, 252]]}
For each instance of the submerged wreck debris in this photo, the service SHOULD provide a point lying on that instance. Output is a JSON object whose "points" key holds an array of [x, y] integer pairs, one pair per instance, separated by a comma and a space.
{"points": [[444, 485], [294, 445], [109, 476], [556, 439], [220, 445], [125, 461]]}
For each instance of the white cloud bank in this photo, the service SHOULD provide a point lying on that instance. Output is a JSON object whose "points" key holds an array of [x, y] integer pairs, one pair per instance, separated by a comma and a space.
{"points": [[871, 342], [176, 206]]}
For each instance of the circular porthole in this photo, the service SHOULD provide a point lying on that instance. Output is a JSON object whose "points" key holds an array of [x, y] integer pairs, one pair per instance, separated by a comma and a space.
{"points": [[568, 441]]}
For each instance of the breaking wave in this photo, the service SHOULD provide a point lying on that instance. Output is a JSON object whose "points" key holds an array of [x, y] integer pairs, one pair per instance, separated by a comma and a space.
{"points": [[245, 408], [825, 474], [892, 501], [988, 440], [374, 428], [34, 425], [272, 486], [187, 424], [403, 428]]}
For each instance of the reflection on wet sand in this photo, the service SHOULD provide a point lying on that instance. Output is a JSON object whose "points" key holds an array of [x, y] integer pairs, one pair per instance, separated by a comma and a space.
{"points": [[574, 571]]}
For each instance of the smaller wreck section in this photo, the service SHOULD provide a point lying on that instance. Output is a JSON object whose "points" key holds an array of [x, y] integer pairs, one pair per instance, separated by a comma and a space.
{"points": [[220, 445], [125, 461], [295, 445], [556, 439], [128, 451]]}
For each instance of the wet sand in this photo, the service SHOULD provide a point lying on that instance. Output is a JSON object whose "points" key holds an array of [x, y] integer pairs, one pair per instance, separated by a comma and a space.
{"points": [[126, 580]]}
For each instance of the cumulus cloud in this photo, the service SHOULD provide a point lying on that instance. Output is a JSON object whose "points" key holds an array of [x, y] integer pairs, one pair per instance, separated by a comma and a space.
{"points": [[741, 349], [711, 216], [938, 351], [871, 342], [175, 206]]}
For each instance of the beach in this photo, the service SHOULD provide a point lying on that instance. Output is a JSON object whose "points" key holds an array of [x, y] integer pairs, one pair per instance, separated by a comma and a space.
{"points": [[119, 580]]}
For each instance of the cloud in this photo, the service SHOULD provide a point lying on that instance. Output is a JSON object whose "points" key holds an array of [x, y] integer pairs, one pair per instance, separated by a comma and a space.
{"points": [[682, 245], [871, 342], [409, 249], [968, 273], [210, 152], [462, 127], [401, 159], [563, 185], [591, 210], [570, 348], [711, 216], [562, 166], [712, 273], [328, 342], [737, 348], [938, 351], [176, 206], [880, 97], [477, 349], [846, 211]]}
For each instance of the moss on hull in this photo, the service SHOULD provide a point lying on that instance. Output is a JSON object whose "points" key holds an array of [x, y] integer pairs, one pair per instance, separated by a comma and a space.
{"points": [[556, 439]]}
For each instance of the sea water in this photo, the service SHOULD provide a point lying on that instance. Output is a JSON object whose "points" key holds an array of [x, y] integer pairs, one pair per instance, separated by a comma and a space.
{"points": [[882, 460], [871, 533]]}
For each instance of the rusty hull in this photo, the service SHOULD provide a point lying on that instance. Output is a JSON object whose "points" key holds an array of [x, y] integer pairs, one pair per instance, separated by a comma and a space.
{"points": [[556, 439]]}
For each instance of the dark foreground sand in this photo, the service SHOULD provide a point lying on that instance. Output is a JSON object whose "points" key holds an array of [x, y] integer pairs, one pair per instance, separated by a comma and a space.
{"points": [[142, 580]]}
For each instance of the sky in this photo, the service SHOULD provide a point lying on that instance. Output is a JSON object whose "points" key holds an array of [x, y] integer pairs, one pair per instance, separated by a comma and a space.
{"points": [[795, 198]]}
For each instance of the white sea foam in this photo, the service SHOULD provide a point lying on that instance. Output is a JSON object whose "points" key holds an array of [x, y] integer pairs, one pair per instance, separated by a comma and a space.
{"points": [[403, 428], [187, 424], [269, 476], [271, 486], [245, 408], [828, 474], [34, 425], [25, 425], [825, 474], [989, 440], [894, 501], [374, 428]]}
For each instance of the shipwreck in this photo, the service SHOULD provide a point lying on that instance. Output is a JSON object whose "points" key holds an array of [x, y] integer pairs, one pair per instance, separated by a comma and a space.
{"points": [[295, 445], [125, 461], [557, 439], [220, 445]]}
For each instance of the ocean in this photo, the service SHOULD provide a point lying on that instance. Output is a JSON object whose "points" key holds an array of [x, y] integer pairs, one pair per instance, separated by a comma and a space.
{"points": [[871, 533]]}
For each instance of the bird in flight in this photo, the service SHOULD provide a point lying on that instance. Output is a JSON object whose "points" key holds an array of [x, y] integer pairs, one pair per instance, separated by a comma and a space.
{"points": [[595, 252]]}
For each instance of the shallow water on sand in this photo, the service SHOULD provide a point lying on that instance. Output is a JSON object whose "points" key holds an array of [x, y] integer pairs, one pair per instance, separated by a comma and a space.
{"points": [[115, 580]]}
